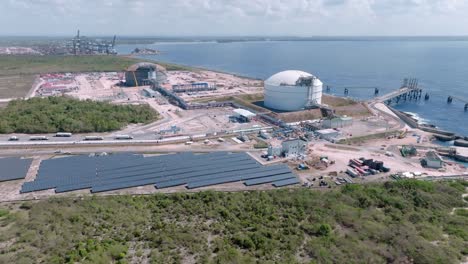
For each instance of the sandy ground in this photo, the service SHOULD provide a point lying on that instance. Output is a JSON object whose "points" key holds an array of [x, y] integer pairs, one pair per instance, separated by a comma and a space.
{"points": [[227, 84]]}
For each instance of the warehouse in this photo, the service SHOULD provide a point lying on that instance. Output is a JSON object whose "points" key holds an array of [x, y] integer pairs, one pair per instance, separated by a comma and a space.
{"points": [[327, 134], [142, 73], [292, 91], [242, 115], [432, 160], [148, 92]]}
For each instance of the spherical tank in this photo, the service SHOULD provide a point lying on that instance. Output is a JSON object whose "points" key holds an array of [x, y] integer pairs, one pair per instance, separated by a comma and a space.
{"points": [[292, 90]]}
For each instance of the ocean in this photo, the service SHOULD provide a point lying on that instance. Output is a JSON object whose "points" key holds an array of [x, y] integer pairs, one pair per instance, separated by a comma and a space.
{"points": [[441, 67]]}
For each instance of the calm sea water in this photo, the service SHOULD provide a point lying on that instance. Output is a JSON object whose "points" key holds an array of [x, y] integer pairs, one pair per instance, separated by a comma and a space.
{"points": [[440, 66]]}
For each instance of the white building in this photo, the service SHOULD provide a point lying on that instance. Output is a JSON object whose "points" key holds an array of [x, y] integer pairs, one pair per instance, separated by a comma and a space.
{"points": [[294, 147], [327, 134], [290, 147], [292, 90], [243, 115]]}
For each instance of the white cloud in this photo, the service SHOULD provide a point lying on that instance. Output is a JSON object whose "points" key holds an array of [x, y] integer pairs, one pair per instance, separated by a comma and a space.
{"points": [[234, 17]]}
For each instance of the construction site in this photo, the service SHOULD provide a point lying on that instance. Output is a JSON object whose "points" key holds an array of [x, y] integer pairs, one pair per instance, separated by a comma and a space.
{"points": [[282, 131]]}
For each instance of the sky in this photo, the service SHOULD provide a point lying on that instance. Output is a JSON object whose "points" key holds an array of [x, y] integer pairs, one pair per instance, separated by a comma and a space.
{"points": [[235, 17]]}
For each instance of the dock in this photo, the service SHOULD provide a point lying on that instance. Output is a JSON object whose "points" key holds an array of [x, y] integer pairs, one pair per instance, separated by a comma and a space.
{"points": [[451, 98], [409, 90], [402, 93]]}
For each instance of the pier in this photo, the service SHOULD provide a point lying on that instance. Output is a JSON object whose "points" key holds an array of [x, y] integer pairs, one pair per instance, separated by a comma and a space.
{"points": [[405, 93], [408, 91], [451, 98]]}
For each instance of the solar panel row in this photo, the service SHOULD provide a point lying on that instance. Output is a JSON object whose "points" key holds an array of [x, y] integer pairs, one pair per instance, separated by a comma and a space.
{"points": [[113, 172], [14, 168], [219, 179], [269, 179], [174, 165], [183, 179], [191, 171], [286, 182]]}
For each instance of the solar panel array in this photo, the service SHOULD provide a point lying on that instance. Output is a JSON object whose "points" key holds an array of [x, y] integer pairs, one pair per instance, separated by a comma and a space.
{"points": [[14, 168], [120, 171]]}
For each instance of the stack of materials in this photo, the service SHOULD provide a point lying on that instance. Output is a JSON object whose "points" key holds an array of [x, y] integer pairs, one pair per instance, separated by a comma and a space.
{"points": [[365, 167]]}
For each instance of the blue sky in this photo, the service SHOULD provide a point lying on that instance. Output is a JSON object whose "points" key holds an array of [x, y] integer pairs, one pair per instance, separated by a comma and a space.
{"points": [[235, 17]]}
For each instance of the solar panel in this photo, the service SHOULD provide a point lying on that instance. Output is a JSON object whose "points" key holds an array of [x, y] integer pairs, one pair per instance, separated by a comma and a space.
{"points": [[286, 182], [244, 174], [213, 182], [201, 176], [175, 162], [14, 168], [152, 178], [269, 179], [173, 166], [119, 171]]}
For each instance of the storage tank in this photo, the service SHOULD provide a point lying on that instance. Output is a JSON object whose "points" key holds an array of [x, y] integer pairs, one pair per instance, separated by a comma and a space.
{"points": [[292, 90]]}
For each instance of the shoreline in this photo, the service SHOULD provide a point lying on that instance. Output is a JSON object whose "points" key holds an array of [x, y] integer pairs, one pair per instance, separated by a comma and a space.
{"points": [[408, 118], [189, 67]]}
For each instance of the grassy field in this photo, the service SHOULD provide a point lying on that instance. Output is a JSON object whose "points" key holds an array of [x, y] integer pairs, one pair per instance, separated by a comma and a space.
{"points": [[335, 101], [24, 65], [396, 222], [15, 86]]}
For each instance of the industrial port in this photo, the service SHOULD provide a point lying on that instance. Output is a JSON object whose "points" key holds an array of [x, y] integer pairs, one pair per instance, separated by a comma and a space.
{"points": [[282, 131]]}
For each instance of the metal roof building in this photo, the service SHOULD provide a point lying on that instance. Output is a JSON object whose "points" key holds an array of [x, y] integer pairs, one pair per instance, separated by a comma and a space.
{"points": [[244, 113], [292, 90], [141, 73]]}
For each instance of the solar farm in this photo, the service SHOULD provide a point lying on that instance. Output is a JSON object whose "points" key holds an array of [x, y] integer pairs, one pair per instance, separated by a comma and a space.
{"points": [[13, 168], [121, 171]]}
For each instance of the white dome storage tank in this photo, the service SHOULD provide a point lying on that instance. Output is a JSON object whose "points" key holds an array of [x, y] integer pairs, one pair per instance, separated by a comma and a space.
{"points": [[292, 90]]}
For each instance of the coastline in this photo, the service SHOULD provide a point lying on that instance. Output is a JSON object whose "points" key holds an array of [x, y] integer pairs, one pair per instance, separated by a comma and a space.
{"points": [[409, 118], [188, 67]]}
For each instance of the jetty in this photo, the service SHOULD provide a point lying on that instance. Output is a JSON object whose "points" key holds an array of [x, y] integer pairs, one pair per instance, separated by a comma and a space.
{"points": [[408, 91], [452, 97]]}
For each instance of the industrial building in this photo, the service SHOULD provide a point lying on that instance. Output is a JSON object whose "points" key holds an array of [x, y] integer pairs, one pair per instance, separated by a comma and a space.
{"points": [[327, 134], [142, 73], [242, 115], [193, 87], [294, 147], [292, 90], [432, 160], [287, 148], [337, 122], [148, 92]]}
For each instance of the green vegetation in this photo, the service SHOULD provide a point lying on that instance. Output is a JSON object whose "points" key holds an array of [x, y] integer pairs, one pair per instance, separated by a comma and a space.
{"points": [[55, 114], [261, 144], [31, 64], [362, 139], [397, 222], [335, 101]]}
